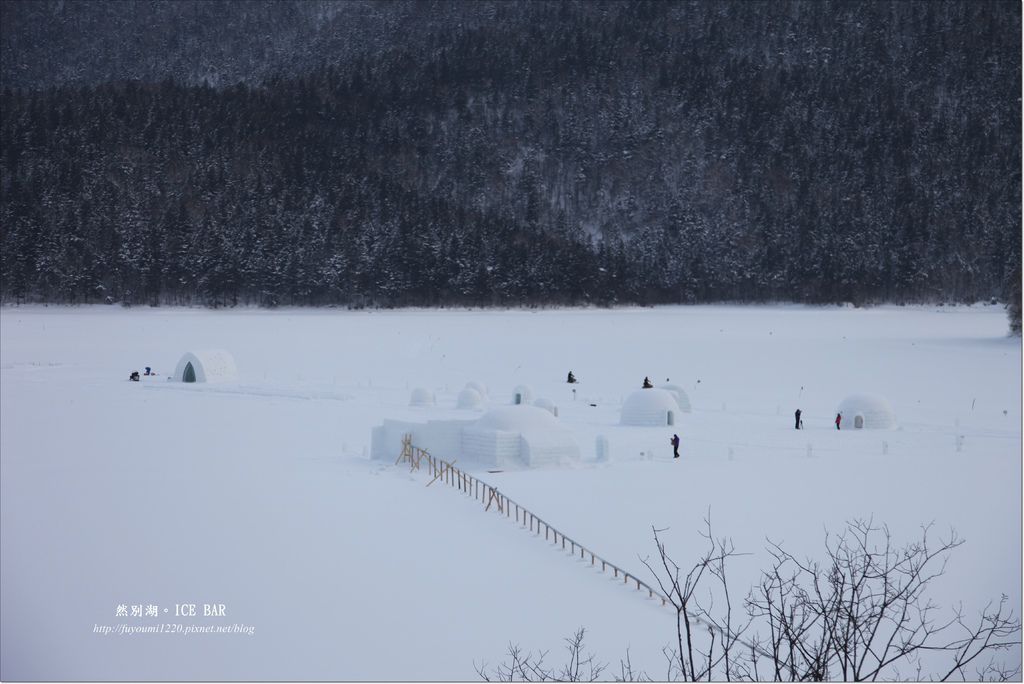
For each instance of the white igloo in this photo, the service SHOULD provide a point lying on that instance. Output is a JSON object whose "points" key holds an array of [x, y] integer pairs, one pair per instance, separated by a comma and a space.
{"points": [[421, 396], [866, 411], [517, 436], [469, 398], [547, 405], [480, 388], [681, 397], [211, 365], [522, 394], [654, 407]]}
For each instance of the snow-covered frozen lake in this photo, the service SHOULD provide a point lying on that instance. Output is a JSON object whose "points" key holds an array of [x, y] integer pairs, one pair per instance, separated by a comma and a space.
{"points": [[259, 495]]}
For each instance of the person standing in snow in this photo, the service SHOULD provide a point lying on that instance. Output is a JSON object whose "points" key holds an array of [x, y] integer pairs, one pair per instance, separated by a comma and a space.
{"points": [[647, 383], [675, 446], [839, 419], [798, 424]]}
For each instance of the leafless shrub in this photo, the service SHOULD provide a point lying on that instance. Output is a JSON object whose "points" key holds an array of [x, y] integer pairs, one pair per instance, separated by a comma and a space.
{"points": [[862, 613], [530, 667]]}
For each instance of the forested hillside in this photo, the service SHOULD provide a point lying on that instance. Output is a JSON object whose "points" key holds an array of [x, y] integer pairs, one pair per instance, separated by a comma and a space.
{"points": [[432, 153]]}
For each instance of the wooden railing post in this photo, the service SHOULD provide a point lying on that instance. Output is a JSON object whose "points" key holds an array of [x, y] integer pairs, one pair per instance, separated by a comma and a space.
{"points": [[485, 493]]}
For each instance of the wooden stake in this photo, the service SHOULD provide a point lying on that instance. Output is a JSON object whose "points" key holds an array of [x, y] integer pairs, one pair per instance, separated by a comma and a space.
{"points": [[445, 467]]}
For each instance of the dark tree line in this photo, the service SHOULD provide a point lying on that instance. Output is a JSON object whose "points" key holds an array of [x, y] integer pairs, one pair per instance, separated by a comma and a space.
{"points": [[521, 153]]}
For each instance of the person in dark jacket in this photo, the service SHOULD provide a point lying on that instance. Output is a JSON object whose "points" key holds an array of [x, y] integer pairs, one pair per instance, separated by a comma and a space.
{"points": [[839, 419], [799, 423], [647, 383], [675, 446], [572, 378], [134, 377]]}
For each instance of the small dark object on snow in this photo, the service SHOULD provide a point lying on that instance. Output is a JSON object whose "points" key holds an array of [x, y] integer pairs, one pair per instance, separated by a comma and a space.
{"points": [[647, 383], [799, 423], [134, 377], [675, 445], [571, 379]]}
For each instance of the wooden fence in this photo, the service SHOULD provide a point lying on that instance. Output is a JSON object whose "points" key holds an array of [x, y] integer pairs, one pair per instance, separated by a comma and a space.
{"points": [[446, 473]]}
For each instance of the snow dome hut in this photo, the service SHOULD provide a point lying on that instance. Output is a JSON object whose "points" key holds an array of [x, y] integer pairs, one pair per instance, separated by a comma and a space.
{"points": [[547, 405], [479, 387], [517, 436], [212, 365], [522, 394], [421, 396], [866, 411], [653, 407], [469, 398], [681, 398]]}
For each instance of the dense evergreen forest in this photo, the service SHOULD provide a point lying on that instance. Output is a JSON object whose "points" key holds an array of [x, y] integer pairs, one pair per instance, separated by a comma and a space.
{"points": [[491, 153]]}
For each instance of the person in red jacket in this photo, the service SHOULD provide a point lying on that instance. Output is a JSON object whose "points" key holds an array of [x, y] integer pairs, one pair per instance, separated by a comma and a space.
{"points": [[839, 419]]}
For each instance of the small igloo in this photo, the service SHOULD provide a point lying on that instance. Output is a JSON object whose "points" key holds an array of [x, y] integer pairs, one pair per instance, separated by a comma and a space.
{"points": [[211, 365], [522, 394], [480, 388], [681, 398], [512, 436], [547, 405], [469, 398], [866, 411], [654, 407], [421, 396]]}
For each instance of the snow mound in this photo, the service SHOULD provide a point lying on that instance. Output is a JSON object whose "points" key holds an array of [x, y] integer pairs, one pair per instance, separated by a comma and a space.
{"points": [[652, 407], [421, 396], [547, 405], [210, 365], [480, 388], [469, 398], [681, 397], [518, 418], [866, 411]]}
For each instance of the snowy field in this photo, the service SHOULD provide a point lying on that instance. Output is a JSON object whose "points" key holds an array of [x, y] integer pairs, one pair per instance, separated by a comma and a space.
{"points": [[259, 494]]}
